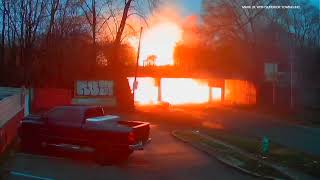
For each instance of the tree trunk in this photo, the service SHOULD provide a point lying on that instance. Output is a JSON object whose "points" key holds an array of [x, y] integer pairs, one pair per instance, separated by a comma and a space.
{"points": [[115, 63], [123, 93], [3, 37], [94, 34]]}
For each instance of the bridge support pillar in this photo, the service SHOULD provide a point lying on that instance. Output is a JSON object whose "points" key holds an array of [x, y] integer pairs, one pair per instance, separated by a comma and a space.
{"points": [[210, 94], [158, 81]]}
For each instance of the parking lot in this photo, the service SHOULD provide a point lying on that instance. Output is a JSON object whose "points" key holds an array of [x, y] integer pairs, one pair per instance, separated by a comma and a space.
{"points": [[164, 158]]}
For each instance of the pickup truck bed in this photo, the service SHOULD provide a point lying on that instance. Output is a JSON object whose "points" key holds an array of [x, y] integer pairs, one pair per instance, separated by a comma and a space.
{"points": [[83, 127]]}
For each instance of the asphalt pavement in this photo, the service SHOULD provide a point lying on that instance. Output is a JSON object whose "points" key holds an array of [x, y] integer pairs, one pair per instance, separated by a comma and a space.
{"points": [[164, 158], [290, 134]]}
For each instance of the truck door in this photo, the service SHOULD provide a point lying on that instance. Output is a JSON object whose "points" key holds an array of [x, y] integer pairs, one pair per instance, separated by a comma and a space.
{"points": [[64, 126]]}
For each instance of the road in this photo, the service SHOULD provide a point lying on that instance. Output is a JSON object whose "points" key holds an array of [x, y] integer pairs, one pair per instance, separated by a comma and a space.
{"points": [[164, 158], [302, 138]]}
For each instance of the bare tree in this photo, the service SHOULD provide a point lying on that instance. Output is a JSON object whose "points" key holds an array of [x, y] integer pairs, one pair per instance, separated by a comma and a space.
{"points": [[94, 11], [3, 4], [131, 7], [23, 22], [52, 12], [301, 23], [33, 29], [232, 17], [112, 15]]}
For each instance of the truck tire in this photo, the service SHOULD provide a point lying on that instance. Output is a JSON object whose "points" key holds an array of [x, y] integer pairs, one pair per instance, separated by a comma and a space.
{"points": [[29, 145]]}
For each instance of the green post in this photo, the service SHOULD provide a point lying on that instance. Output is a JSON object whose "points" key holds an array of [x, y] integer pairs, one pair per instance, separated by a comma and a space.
{"points": [[265, 145]]}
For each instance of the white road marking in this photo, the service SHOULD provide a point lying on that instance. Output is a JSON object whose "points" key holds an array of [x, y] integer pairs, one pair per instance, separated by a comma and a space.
{"points": [[29, 175], [39, 156]]}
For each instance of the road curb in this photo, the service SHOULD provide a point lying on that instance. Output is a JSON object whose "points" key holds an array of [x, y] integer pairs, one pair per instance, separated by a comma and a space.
{"points": [[223, 160]]}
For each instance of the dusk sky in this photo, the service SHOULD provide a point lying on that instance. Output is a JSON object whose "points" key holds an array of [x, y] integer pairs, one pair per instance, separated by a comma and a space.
{"points": [[194, 6]]}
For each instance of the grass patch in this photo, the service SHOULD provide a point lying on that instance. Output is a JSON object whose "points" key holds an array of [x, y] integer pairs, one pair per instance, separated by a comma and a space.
{"points": [[257, 167], [288, 157], [231, 156], [248, 144]]}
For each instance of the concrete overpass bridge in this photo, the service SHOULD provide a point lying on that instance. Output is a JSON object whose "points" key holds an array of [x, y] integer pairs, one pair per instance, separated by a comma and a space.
{"points": [[184, 86]]}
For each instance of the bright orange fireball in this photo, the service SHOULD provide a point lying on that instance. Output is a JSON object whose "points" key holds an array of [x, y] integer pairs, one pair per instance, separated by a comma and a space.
{"points": [[159, 40]]}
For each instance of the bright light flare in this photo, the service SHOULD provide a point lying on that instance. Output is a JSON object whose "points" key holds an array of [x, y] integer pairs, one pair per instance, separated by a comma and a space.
{"points": [[179, 91], [216, 94], [146, 92], [160, 40]]}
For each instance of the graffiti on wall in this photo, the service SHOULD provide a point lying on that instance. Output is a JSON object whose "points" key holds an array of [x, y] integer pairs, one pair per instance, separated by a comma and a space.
{"points": [[94, 88]]}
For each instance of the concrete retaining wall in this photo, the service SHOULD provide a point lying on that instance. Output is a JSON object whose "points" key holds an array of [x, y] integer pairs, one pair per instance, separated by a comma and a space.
{"points": [[11, 113]]}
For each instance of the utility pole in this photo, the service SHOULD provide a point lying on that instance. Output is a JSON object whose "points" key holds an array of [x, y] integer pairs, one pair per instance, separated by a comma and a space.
{"points": [[292, 58], [291, 84], [137, 65], [274, 81]]}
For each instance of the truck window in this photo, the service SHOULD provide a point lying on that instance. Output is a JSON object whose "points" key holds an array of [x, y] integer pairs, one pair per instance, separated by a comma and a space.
{"points": [[65, 116], [94, 112]]}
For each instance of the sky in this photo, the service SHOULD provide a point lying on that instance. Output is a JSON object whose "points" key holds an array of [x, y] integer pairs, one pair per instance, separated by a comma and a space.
{"points": [[190, 7], [187, 7]]}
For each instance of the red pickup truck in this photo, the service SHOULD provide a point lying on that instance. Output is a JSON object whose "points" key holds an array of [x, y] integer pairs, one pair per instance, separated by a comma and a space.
{"points": [[84, 129]]}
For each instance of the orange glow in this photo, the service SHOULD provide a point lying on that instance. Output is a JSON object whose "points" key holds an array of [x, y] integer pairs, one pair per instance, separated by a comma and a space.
{"points": [[184, 91], [159, 40], [216, 94], [239, 92], [146, 92], [212, 125], [180, 91]]}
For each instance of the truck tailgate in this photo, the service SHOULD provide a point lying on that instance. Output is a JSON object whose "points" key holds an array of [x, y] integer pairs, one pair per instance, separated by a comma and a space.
{"points": [[141, 130]]}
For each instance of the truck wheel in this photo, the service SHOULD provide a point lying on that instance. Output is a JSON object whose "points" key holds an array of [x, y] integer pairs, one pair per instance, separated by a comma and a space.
{"points": [[28, 145]]}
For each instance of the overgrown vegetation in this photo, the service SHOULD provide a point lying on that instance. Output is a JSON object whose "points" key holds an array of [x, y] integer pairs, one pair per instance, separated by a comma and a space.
{"points": [[47, 42], [53, 42], [235, 40], [285, 156], [231, 156]]}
